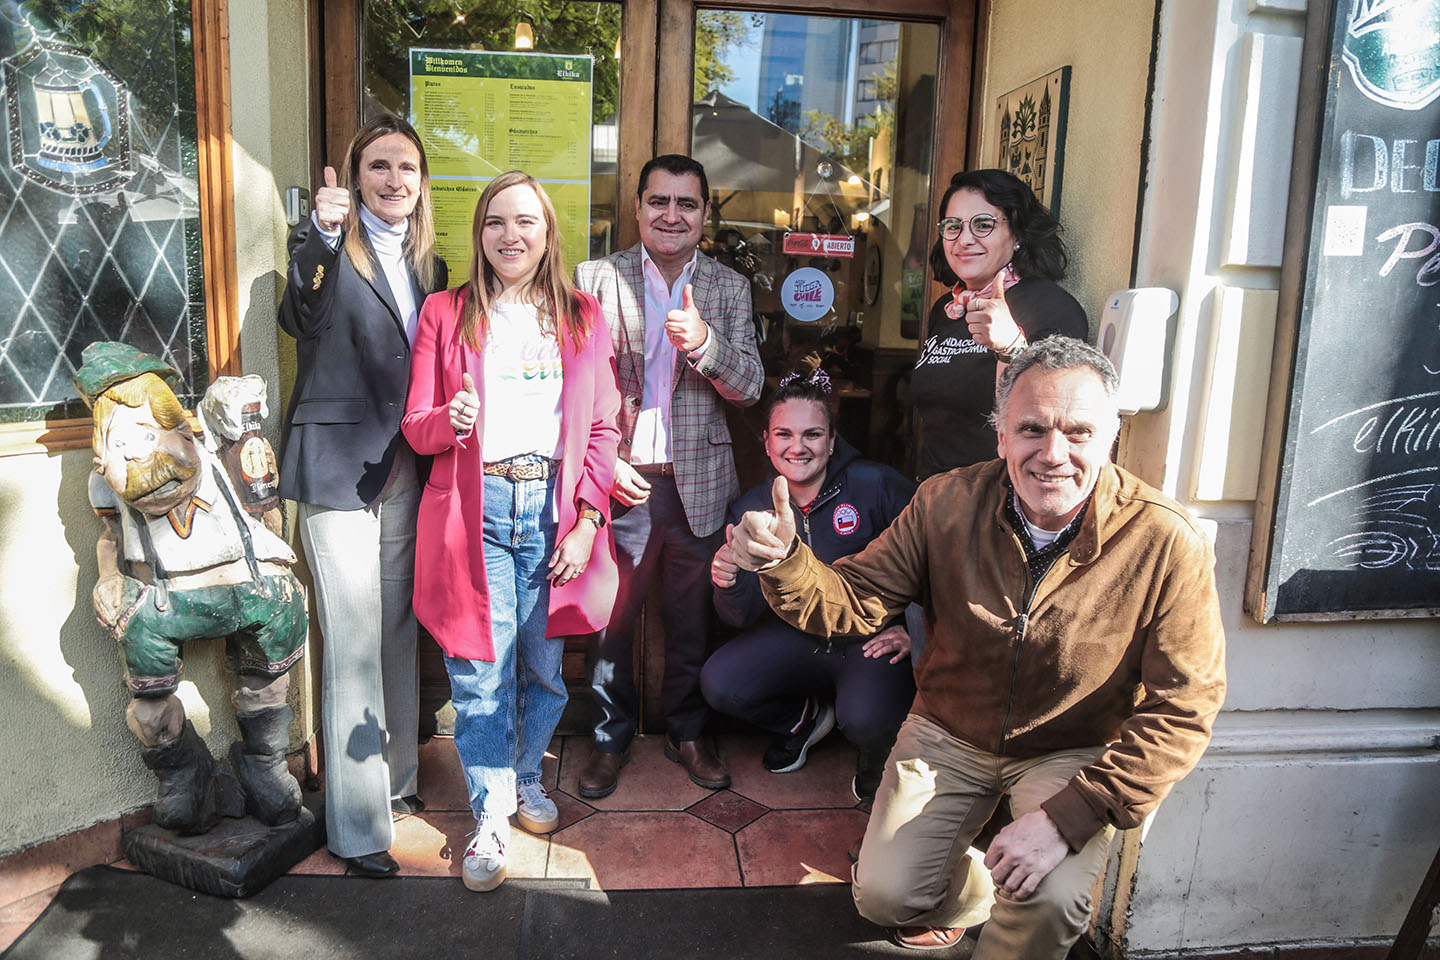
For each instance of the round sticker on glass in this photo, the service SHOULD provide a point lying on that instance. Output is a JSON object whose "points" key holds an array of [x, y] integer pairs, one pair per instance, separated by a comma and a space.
{"points": [[807, 294]]}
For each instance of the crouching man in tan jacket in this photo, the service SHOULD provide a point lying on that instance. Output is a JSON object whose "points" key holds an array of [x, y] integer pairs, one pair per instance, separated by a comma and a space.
{"points": [[1075, 662]]}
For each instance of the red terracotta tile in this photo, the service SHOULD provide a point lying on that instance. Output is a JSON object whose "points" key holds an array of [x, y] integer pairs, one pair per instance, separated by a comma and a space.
{"points": [[648, 782], [570, 809], [320, 863], [431, 844], [9, 933], [46, 864], [441, 781], [727, 810], [824, 781], [799, 846], [639, 851], [28, 908]]}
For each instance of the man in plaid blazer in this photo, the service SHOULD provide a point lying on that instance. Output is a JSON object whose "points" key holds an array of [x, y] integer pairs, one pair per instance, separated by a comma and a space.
{"points": [[684, 341]]}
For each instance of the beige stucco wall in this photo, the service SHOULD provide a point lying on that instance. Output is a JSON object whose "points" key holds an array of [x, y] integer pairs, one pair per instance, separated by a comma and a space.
{"points": [[66, 759], [1106, 43]]}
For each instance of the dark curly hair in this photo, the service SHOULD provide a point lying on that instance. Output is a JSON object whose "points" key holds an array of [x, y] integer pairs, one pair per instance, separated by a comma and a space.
{"points": [[1041, 253]]}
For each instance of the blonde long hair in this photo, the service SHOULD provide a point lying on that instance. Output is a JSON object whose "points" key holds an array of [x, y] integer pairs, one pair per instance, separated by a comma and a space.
{"points": [[550, 288], [420, 236]]}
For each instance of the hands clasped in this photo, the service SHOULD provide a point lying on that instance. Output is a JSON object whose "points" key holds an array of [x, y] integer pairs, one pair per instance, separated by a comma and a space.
{"points": [[763, 538]]}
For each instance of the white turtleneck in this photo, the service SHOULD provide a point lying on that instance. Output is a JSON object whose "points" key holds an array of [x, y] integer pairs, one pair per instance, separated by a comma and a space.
{"points": [[388, 242]]}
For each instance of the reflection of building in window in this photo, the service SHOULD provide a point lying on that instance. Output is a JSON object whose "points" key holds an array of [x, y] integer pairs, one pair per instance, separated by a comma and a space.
{"points": [[805, 64], [879, 46], [879, 51]]}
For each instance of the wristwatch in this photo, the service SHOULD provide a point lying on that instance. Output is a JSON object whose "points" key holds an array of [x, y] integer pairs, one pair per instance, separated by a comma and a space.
{"points": [[593, 515]]}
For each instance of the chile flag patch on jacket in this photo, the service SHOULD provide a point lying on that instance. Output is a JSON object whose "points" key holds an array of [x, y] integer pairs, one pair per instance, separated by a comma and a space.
{"points": [[846, 519]]}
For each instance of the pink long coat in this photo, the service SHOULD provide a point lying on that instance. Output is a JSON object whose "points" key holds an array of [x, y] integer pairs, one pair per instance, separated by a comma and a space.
{"points": [[451, 599]]}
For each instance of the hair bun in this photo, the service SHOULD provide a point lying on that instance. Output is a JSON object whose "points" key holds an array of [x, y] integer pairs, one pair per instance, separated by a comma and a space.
{"points": [[819, 378]]}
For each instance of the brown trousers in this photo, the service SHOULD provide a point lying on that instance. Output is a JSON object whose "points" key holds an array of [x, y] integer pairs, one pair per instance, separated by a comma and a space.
{"points": [[917, 868]]}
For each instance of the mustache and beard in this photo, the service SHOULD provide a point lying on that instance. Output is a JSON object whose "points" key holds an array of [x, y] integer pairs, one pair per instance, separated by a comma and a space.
{"points": [[146, 477]]}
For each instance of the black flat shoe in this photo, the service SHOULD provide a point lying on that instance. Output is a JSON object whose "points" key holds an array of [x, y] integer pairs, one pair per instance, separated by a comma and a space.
{"points": [[374, 865], [407, 805]]}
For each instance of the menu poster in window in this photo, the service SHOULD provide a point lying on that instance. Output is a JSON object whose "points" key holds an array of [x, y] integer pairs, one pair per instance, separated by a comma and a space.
{"points": [[1349, 524], [481, 113]]}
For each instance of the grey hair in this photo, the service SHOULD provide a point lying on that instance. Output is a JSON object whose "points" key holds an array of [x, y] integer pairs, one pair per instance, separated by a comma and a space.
{"points": [[1055, 353]]}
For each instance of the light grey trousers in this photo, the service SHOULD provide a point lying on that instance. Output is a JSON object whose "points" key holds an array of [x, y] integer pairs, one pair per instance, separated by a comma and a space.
{"points": [[364, 567]]}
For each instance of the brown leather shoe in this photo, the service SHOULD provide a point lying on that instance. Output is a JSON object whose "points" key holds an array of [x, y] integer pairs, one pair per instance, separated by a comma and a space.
{"points": [[928, 938], [601, 774], [700, 761]]}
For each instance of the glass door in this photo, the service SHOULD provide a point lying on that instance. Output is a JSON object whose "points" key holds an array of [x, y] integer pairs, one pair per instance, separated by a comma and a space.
{"points": [[816, 133]]}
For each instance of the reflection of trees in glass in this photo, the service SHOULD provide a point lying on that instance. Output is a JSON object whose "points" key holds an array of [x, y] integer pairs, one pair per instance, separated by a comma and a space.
{"points": [[717, 32], [560, 27], [850, 142]]}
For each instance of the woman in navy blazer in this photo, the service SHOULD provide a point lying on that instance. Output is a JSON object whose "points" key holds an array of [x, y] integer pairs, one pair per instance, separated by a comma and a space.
{"points": [[359, 269]]}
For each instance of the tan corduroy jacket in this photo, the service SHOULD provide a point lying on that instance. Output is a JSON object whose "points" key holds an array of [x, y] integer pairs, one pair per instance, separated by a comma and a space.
{"points": [[1120, 643]]}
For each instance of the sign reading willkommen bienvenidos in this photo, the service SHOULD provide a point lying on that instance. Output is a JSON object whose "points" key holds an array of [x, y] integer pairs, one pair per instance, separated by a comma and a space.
{"points": [[1349, 524]]}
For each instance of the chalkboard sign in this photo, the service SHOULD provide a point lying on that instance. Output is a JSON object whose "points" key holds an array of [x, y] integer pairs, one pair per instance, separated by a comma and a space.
{"points": [[1348, 523]]}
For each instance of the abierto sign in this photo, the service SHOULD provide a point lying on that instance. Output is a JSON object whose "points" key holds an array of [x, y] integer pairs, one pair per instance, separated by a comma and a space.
{"points": [[819, 244]]}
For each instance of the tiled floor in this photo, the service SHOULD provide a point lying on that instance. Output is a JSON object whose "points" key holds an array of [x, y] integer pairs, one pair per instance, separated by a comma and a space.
{"points": [[656, 830]]}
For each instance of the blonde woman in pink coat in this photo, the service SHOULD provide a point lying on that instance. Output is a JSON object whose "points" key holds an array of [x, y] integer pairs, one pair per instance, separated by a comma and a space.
{"points": [[512, 389]]}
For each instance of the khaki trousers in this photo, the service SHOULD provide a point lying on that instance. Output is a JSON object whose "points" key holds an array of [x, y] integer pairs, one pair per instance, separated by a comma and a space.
{"points": [[917, 868]]}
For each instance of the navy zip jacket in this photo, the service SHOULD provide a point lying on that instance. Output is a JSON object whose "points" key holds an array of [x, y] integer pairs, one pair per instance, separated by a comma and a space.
{"points": [[859, 499]]}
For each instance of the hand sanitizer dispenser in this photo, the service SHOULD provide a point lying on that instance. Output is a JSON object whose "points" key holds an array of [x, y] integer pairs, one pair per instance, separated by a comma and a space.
{"points": [[1133, 327]]}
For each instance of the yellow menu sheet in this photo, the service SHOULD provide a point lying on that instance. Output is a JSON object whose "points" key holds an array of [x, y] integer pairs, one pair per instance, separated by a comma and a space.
{"points": [[481, 113]]}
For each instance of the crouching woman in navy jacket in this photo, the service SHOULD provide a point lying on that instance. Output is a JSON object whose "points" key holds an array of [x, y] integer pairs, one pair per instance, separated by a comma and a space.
{"points": [[796, 685]]}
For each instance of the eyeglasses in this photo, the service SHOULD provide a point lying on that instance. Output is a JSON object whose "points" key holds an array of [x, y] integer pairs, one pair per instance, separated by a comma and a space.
{"points": [[981, 225]]}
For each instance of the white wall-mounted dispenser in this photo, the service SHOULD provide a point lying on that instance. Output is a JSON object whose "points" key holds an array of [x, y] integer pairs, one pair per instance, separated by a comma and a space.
{"points": [[1133, 332]]}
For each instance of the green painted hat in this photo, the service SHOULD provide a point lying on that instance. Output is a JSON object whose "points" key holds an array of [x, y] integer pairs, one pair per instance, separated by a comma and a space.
{"points": [[107, 362]]}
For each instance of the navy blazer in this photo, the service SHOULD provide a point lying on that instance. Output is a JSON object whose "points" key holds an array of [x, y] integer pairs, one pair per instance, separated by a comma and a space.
{"points": [[342, 430]]}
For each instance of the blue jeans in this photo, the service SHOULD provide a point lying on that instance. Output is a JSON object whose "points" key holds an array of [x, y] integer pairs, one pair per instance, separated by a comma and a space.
{"points": [[506, 711]]}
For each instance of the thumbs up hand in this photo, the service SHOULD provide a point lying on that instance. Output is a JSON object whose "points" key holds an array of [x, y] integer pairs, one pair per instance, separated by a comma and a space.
{"points": [[762, 538], [989, 319], [684, 327], [332, 203], [464, 406]]}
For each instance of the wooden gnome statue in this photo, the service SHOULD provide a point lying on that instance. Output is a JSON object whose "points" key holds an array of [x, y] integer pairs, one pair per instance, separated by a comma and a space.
{"points": [[181, 558]]}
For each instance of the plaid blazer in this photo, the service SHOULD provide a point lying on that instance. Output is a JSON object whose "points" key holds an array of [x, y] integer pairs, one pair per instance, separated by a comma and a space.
{"points": [[699, 439]]}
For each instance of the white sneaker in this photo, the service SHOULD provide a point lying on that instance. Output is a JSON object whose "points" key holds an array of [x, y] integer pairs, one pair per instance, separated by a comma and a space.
{"points": [[535, 810], [484, 865]]}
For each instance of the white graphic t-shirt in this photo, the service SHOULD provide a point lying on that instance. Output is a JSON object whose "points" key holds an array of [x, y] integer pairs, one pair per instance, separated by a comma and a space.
{"points": [[523, 377]]}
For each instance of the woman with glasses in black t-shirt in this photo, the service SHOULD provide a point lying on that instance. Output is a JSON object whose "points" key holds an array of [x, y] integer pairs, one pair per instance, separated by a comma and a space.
{"points": [[1001, 252]]}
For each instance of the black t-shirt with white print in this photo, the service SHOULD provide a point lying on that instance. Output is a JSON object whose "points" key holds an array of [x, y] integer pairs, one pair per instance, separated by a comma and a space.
{"points": [[953, 386]]}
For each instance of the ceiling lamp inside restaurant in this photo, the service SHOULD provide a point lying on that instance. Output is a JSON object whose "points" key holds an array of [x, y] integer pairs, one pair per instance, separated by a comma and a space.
{"points": [[524, 36]]}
